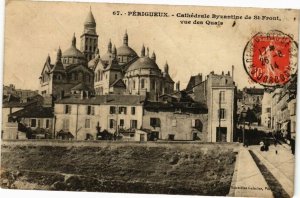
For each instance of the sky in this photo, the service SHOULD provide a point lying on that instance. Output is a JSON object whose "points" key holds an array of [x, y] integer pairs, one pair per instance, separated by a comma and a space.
{"points": [[35, 29]]}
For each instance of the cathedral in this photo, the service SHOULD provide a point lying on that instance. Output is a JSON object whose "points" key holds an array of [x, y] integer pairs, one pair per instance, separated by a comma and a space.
{"points": [[119, 71]]}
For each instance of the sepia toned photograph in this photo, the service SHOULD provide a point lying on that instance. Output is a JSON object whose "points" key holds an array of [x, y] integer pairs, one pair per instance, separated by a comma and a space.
{"points": [[149, 99]]}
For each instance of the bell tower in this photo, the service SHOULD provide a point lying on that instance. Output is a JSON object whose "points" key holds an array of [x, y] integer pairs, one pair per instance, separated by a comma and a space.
{"points": [[89, 38]]}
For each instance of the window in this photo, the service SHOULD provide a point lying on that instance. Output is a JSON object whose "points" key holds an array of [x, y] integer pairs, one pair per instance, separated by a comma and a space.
{"points": [[155, 122], [132, 110], [122, 110], [222, 96], [111, 123], [39, 123], [66, 124], [112, 109], [174, 123], [33, 123], [269, 110], [133, 124], [87, 123], [143, 83], [99, 75], [68, 109], [153, 84], [90, 110], [133, 84], [116, 76], [222, 113], [121, 122], [47, 124], [171, 137], [197, 124]]}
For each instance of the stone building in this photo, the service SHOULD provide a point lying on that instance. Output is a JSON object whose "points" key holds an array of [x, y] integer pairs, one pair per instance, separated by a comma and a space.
{"points": [[10, 105], [266, 109], [135, 75], [218, 93], [81, 115], [71, 67], [118, 71], [176, 120], [283, 109], [21, 93]]}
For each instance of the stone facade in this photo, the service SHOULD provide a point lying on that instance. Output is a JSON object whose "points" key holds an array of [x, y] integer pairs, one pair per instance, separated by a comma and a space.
{"points": [[266, 110], [218, 93], [172, 125], [81, 116]]}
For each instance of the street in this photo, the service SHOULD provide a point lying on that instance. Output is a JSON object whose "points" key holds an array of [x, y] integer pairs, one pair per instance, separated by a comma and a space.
{"points": [[280, 165]]}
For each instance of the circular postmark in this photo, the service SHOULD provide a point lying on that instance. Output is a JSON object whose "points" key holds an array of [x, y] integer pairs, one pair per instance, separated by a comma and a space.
{"points": [[270, 59]]}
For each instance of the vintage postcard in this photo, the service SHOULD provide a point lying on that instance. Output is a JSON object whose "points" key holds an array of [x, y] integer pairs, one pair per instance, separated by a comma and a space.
{"points": [[156, 99]]}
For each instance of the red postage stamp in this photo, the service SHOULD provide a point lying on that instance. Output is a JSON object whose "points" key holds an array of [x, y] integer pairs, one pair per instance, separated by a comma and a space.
{"points": [[271, 58]]}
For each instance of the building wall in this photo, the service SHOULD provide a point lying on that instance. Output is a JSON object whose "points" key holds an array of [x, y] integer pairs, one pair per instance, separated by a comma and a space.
{"points": [[292, 110], [178, 124], [8, 128], [40, 123], [78, 117], [266, 110], [213, 113]]}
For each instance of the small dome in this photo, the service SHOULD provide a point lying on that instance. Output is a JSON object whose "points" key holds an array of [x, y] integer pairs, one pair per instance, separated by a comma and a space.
{"points": [[143, 63], [125, 50], [73, 52]]}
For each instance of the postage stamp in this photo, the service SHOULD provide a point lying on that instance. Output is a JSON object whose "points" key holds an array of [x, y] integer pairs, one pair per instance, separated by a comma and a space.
{"points": [[271, 58]]}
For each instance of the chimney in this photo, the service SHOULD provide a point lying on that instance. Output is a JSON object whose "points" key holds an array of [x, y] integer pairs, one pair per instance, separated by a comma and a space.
{"points": [[198, 79], [222, 73], [228, 73]]}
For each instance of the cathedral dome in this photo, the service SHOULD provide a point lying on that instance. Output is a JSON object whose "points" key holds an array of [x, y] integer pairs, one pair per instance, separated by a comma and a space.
{"points": [[73, 52], [143, 63], [125, 50]]}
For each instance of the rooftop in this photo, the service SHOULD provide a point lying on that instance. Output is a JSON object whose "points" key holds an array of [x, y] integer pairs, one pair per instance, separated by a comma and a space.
{"points": [[111, 99], [34, 112]]}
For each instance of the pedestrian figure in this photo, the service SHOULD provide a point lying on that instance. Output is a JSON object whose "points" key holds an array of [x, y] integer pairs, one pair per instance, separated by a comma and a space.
{"points": [[275, 144], [261, 145]]}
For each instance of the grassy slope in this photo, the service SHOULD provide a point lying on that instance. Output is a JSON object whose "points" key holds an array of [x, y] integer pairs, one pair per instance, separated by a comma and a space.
{"points": [[172, 169]]}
